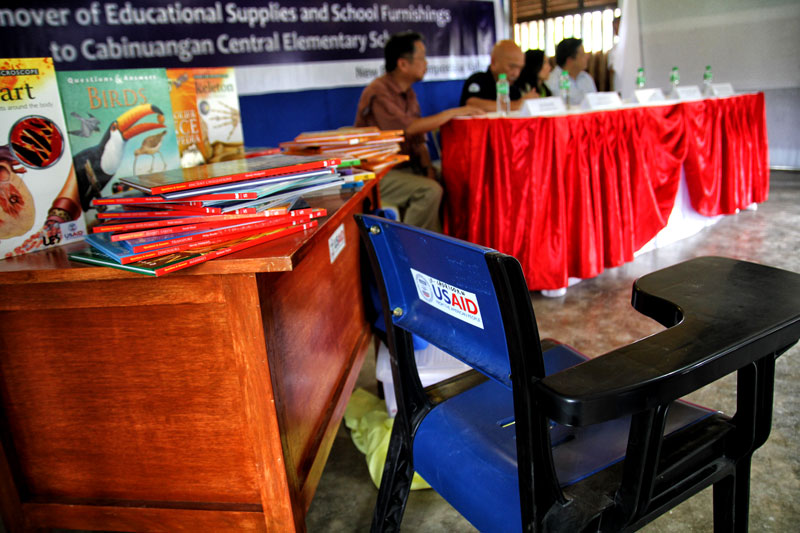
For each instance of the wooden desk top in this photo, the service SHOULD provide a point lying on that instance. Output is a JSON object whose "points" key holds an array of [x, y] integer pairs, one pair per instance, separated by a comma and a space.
{"points": [[49, 266]]}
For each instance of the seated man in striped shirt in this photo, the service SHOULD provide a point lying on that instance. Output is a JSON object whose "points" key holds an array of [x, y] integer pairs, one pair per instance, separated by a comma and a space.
{"points": [[389, 103]]}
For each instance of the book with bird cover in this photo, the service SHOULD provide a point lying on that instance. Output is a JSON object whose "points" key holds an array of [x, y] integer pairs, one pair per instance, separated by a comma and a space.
{"points": [[38, 205], [119, 124]]}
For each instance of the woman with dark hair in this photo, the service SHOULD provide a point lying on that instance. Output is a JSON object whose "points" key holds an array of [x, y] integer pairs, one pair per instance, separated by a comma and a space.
{"points": [[537, 69]]}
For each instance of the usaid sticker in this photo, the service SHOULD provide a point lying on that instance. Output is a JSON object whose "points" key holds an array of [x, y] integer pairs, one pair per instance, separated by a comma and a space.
{"points": [[336, 243], [456, 302], [473, 88]]}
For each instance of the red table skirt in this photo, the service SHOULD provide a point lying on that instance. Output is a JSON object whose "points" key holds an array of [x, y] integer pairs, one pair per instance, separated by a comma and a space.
{"points": [[572, 195]]}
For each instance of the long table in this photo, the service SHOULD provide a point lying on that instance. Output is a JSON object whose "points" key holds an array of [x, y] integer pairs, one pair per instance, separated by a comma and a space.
{"points": [[571, 195], [204, 400]]}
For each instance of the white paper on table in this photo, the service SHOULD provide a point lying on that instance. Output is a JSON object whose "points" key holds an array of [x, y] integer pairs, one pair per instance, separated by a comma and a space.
{"points": [[645, 96], [603, 100], [542, 106]]}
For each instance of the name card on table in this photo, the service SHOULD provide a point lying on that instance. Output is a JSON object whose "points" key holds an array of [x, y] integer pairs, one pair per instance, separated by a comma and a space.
{"points": [[644, 96], [604, 100], [542, 106], [689, 92], [722, 89]]}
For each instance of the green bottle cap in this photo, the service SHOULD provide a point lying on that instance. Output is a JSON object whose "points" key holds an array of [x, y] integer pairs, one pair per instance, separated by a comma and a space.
{"points": [[501, 77]]}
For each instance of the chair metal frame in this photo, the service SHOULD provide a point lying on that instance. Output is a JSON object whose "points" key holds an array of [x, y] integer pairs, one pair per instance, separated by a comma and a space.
{"points": [[757, 320]]}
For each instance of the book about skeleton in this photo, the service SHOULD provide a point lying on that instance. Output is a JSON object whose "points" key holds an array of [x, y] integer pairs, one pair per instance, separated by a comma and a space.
{"points": [[39, 207], [218, 112]]}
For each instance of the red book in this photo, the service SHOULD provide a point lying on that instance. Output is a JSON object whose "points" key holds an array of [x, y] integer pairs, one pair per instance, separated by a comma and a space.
{"points": [[173, 208], [235, 170], [153, 243], [159, 266], [235, 246], [148, 224], [114, 215], [125, 256], [282, 218], [169, 230], [188, 200]]}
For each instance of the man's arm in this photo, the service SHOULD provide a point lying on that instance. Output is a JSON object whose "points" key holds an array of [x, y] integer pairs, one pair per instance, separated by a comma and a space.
{"points": [[490, 106], [486, 105], [430, 123]]}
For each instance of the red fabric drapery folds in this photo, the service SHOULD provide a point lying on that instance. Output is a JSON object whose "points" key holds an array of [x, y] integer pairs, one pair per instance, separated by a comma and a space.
{"points": [[572, 195]]}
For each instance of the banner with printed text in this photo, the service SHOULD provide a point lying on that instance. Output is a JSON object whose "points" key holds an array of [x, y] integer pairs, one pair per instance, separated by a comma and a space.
{"points": [[275, 46]]}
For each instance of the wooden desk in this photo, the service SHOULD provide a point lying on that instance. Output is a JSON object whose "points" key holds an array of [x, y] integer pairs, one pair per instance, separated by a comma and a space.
{"points": [[205, 400]]}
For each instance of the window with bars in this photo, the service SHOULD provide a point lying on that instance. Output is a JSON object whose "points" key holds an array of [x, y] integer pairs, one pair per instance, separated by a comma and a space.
{"points": [[542, 24]]}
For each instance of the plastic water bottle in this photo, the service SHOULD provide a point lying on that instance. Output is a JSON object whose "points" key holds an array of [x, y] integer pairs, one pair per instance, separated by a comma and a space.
{"points": [[674, 80], [503, 97], [640, 79], [708, 77], [564, 86]]}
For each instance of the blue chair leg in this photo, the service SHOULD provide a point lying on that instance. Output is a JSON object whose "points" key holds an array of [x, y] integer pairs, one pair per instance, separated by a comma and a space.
{"points": [[395, 483]]}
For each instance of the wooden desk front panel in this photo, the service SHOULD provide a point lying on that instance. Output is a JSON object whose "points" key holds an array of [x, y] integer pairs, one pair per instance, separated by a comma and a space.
{"points": [[316, 335], [126, 390]]}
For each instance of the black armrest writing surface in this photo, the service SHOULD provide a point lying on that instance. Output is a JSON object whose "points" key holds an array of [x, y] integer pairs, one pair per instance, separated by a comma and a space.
{"points": [[722, 315]]}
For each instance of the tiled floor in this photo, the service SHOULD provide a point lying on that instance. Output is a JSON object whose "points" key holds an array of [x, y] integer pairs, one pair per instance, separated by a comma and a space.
{"points": [[595, 316]]}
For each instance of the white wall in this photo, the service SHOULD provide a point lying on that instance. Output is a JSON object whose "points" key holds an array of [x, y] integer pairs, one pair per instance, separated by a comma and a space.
{"points": [[753, 44]]}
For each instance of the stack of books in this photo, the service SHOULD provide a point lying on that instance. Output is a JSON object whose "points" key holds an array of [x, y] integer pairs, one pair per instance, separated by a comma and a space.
{"points": [[178, 218], [372, 149]]}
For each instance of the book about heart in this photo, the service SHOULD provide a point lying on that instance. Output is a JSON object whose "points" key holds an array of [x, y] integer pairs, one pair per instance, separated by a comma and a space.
{"points": [[39, 207]]}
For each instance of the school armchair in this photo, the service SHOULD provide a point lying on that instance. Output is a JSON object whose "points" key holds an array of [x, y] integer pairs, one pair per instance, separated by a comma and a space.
{"points": [[538, 437]]}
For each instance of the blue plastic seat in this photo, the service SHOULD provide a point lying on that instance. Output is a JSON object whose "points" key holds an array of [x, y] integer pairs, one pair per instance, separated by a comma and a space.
{"points": [[539, 438]]}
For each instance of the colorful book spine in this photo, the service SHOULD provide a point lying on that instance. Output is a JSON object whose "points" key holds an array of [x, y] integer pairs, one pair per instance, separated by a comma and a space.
{"points": [[190, 200], [283, 218], [144, 245], [200, 177], [124, 256], [160, 266], [39, 207], [114, 215], [131, 226]]}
